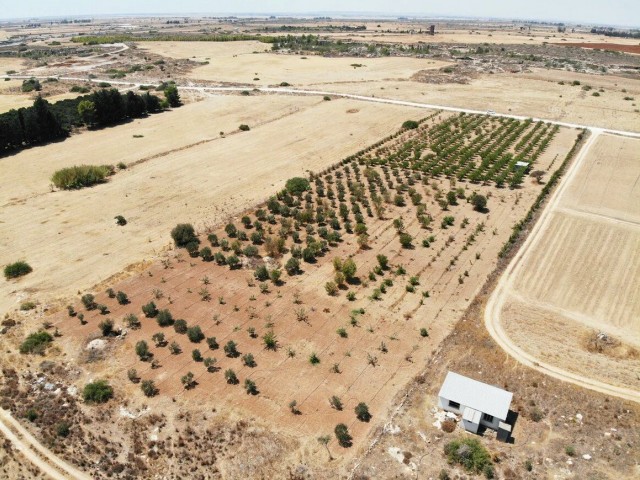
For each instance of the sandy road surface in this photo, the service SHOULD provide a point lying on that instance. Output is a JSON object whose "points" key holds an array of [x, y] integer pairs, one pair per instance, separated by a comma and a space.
{"points": [[501, 293]]}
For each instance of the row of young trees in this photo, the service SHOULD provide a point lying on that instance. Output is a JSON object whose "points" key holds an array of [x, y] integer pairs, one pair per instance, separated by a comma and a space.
{"points": [[44, 122]]}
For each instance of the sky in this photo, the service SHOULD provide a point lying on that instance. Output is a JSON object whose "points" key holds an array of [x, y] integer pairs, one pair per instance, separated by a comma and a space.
{"points": [[610, 12]]}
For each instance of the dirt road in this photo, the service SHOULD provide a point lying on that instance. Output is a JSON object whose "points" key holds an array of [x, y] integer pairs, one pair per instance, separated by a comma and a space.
{"points": [[35, 452]]}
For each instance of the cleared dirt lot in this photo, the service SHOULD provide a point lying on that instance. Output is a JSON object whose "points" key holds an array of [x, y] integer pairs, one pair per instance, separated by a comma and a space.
{"points": [[579, 277], [236, 64], [195, 176]]}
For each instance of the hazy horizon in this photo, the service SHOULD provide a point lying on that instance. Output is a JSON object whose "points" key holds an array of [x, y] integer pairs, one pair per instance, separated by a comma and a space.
{"points": [[616, 12]]}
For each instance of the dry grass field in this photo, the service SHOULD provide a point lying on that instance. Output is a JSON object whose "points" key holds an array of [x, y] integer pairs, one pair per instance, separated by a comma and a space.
{"points": [[187, 170], [579, 277], [240, 63]]}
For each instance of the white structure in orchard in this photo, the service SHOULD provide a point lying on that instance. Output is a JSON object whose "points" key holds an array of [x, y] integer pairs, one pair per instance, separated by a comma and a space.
{"points": [[478, 403]]}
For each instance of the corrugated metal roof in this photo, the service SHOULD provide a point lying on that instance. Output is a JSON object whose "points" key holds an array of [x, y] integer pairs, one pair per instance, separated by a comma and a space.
{"points": [[477, 395]]}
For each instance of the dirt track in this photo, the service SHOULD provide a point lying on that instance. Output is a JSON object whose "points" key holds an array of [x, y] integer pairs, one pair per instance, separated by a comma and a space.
{"points": [[35, 452]]}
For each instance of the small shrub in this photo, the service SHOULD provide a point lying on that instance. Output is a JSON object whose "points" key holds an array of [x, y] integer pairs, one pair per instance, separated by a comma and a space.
{"points": [[479, 203], [97, 392], [314, 359], [448, 426], [149, 388], [164, 318], [250, 387], [248, 360], [335, 402], [36, 342], [570, 450], [142, 350], [244, 128], [342, 434], [196, 355], [231, 349], [88, 300], [195, 334], [122, 298], [106, 327], [362, 412], [183, 234], [424, 332], [231, 377], [26, 306], [17, 269], [63, 429], [150, 310], [406, 240], [410, 125], [80, 176], [270, 340], [469, 453], [180, 326], [212, 343]]}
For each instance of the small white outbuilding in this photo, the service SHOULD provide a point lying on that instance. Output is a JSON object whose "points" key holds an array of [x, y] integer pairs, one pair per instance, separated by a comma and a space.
{"points": [[477, 402]]}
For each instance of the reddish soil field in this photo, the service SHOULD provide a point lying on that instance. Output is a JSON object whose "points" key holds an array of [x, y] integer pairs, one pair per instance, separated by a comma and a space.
{"points": [[616, 47], [383, 348]]}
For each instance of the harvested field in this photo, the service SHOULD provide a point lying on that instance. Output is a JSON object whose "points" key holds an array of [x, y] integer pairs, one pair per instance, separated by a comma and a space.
{"points": [[190, 173], [380, 347], [233, 62], [615, 47], [579, 276]]}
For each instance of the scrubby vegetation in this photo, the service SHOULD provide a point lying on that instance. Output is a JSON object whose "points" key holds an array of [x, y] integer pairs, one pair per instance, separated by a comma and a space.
{"points": [[36, 342], [81, 176], [17, 269], [469, 453], [97, 392]]}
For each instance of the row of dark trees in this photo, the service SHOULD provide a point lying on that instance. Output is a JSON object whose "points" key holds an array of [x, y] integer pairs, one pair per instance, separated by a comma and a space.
{"points": [[44, 122], [612, 32]]}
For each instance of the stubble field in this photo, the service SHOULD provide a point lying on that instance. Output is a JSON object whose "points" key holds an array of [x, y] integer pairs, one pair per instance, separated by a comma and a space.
{"points": [[579, 278]]}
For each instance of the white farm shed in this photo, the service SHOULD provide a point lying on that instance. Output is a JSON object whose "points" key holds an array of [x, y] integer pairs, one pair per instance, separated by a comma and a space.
{"points": [[477, 402]]}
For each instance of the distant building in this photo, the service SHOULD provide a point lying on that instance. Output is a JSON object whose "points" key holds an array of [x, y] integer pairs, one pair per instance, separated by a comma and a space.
{"points": [[479, 404], [432, 29], [522, 165]]}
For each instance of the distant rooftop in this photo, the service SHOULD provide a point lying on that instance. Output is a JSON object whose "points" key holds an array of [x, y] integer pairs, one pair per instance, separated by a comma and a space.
{"points": [[477, 395]]}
